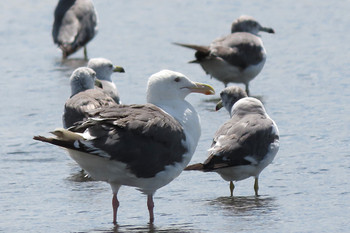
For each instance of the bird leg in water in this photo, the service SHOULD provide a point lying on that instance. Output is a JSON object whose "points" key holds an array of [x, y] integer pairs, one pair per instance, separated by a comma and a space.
{"points": [[256, 186], [232, 187], [85, 53], [115, 204], [150, 205], [247, 88]]}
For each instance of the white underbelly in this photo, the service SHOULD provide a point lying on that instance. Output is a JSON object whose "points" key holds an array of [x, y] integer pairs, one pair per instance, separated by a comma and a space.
{"points": [[103, 169], [242, 172], [227, 73]]}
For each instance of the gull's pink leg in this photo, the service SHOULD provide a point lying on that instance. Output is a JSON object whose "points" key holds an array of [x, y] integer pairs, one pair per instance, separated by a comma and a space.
{"points": [[150, 205], [115, 204]]}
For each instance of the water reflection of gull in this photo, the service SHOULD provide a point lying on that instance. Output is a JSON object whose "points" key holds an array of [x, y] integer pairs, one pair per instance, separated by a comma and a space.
{"points": [[80, 176], [245, 205], [72, 63], [149, 228]]}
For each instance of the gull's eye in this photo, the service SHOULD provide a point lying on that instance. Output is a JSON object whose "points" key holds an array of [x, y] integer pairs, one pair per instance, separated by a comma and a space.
{"points": [[177, 79], [110, 66]]}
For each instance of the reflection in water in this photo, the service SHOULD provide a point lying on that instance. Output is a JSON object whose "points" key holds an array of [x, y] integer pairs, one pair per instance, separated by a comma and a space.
{"points": [[73, 63], [245, 205], [80, 176], [213, 100], [68, 65], [149, 228], [210, 103]]}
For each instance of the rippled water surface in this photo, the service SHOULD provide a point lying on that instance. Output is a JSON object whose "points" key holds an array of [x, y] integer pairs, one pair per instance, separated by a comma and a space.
{"points": [[304, 85]]}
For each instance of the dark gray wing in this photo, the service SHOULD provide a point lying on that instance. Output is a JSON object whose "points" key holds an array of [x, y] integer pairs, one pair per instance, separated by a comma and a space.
{"points": [[88, 23], [109, 89], [240, 49], [74, 25], [77, 107], [142, 136], [238, 138], [61, 9]]}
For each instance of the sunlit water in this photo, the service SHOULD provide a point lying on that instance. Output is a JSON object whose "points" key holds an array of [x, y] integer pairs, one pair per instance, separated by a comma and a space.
{"points": [[304, 85]]}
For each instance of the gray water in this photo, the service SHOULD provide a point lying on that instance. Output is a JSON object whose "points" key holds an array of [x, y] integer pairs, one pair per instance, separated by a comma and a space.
{"points": [[304, 86]]}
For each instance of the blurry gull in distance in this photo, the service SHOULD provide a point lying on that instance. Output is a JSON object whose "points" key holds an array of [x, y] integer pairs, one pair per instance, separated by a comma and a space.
{"points": [[104, 70], [244, 145], [237, 57], [75, 24], [84, 97], [144, 146]]}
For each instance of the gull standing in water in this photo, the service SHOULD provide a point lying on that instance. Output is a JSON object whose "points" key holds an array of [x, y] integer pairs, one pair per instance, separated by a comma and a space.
{"points": [[75, 24], [238, 57], [244, 145], [144, 146]]}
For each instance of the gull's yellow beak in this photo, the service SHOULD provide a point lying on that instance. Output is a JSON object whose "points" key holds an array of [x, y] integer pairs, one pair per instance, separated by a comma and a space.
{"points": [[202, 88], [218, 106], [98, 83], [119, 69]]}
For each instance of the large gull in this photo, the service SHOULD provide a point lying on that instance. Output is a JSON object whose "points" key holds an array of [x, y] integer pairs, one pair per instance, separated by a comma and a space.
{"points": [[75, 24], [145, 146], [84, 97], [104, 70], [238, 57], [244, 145]]}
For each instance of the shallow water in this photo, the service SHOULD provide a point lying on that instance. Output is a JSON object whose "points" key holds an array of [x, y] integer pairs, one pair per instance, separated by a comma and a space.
{"points": [[304, 86]]}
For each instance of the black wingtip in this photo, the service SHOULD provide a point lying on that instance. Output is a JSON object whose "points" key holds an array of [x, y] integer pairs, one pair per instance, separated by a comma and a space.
{"points": [[201, 48], [41, 138], [271, 31]]}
